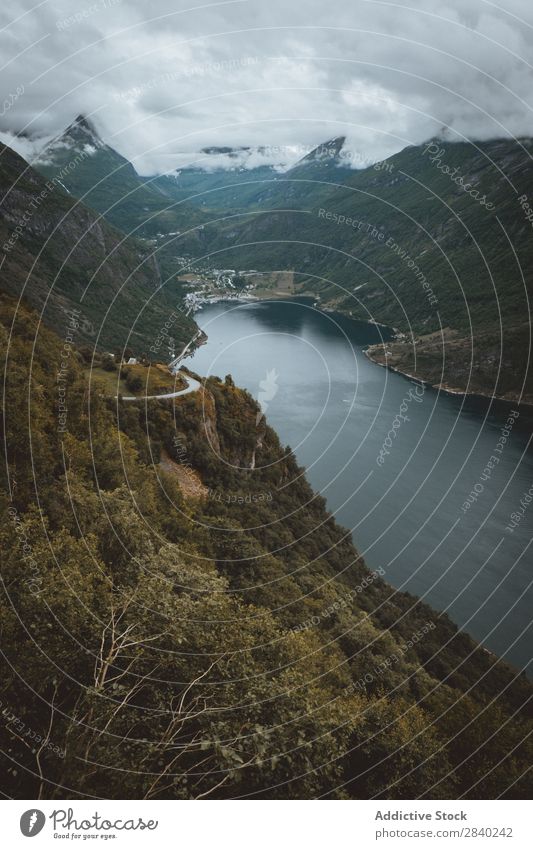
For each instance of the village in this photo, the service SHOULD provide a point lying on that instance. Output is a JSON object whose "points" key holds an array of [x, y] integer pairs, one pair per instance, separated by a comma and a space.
{"points": [[208, 286]]}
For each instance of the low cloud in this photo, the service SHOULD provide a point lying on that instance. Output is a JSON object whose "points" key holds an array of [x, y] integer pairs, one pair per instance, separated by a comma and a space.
{"points": [[162, 83]]}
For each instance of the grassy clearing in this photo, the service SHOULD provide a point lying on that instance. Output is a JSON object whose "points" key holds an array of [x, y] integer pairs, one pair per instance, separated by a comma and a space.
{"points": [[109, 379], [138, 380]]}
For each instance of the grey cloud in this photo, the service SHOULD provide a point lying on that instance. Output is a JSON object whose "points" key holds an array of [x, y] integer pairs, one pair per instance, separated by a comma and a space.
{"points": [[162, 81]]}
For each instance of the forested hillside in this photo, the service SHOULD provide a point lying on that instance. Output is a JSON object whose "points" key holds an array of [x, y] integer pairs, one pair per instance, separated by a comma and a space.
{"points": [[448, 207], [108, 183], [159, 643], [435, 239], [60, 255]]}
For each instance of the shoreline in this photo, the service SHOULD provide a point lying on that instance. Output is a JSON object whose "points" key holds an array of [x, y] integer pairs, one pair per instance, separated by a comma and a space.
{"points": [[250, 298], [439, 387], [449, 390], [415, 380]]}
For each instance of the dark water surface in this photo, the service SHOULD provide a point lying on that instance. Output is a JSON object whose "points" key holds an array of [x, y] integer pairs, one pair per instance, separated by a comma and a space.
{"points": [[335, 409]]}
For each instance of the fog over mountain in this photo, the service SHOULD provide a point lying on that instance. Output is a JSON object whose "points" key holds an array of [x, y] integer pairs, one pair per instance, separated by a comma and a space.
{"points": [[162, 81]]}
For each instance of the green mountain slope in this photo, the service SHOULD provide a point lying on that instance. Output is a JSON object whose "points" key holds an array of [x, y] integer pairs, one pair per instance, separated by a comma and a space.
{"points": [[405, 243], [60, 255], [213, 188], [232, 643], [234, 188], [434, 239], [93, 171], [415, 204]]}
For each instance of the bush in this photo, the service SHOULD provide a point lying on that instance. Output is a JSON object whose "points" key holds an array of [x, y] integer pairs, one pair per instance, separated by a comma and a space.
{"points": [[134, 383], [108, 363]]}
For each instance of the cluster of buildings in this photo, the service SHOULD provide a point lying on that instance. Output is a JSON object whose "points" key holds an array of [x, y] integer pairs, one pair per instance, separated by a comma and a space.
{"points": [[215, 285]]}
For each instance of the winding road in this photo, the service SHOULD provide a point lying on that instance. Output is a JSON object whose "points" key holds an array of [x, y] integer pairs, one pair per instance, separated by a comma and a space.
{"points": [[192, 386]]}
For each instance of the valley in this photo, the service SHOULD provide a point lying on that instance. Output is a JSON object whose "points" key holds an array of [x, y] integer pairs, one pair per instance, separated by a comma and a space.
{"points": [[159, 480], [432, 240], [266, 422]]}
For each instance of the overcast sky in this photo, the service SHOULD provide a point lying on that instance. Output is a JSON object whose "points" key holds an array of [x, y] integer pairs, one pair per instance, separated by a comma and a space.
{"points": [[163, 78]]}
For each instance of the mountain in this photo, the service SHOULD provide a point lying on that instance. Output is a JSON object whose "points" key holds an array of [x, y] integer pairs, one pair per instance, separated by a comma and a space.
{"points": [[59, 255], [434, 240], [153, 626], [229, 184], [222, 178], [327, 163], [94, 172], [179, 622], [229, 178], [220, 189], [232, 179], [435, 237], [329, 151]]}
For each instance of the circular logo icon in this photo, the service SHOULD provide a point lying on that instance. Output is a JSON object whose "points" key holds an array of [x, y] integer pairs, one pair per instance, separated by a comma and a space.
{"points": [[32, 822]]}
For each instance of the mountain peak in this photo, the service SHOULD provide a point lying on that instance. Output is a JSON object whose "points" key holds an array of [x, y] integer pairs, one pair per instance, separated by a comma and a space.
{"points": [[81, 136], [82, 121], [82, 128], [329, 150]]}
